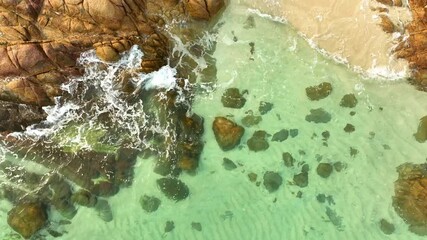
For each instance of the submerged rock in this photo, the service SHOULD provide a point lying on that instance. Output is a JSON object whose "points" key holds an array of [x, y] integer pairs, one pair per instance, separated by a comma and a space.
{"points": [[288, 159], [228, 164], [272, 181], [353, 152], [324, 169], [318, 115], [386, 227], [169, 226], [27, 218], [249, 23], [149, 203], [348, 101], [103, 210], [301, 179], [293, 132], [258, 141], [232, 98], [84, 198], [251, 120], [265, 107], [196, 226], [339, 166], [105, 189], [280, 136], [204, 9], [421, 134], [318, 92], [252, 177], [349, 128], [173, 188], [410, 196], [227, 133]]}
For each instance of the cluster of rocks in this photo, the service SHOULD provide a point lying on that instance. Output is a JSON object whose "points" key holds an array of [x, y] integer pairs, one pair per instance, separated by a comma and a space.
{"points": [[40, 42], [38, 193]]}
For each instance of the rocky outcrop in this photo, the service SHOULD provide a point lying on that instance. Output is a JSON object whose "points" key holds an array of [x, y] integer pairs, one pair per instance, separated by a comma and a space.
{"points": [[414, 48], [40, 41]]}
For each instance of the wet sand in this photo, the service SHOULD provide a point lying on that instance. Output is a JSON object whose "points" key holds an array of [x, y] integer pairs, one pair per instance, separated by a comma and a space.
{"points": [[345, 29]]}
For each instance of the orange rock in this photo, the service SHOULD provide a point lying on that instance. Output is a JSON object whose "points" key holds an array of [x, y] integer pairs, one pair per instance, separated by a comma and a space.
{"points": [[386, 24], [227, 133], [107, 53], [204, 9], [27, 218], [414, 49], [386, 2]]}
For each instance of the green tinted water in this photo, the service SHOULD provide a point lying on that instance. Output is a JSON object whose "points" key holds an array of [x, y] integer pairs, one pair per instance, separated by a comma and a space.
{"points": [[227, 204]]}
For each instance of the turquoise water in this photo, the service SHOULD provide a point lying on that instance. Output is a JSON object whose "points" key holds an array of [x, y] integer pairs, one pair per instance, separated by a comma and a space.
{"points": [[226, 203]]}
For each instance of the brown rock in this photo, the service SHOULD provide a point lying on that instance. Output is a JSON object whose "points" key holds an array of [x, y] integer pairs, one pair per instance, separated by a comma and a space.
{"points": [[204, 9], [421, 134], [27, 218], [386, 24], [413, 48], [227, 133], [410, 196], [41, 42], [386, 2], [107, 53]]}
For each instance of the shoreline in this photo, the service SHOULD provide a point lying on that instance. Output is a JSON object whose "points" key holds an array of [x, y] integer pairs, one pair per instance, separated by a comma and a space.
{"points": [[348, 31]]}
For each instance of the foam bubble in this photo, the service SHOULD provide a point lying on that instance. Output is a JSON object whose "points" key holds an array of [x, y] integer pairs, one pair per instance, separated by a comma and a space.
{"points": [[163, 78]]}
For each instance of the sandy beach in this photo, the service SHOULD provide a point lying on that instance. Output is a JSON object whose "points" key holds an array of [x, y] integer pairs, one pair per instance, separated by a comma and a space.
{"points": [[346, 30]]}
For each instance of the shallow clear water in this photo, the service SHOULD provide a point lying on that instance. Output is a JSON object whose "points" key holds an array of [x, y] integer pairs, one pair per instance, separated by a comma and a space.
{"points": [[226, 203]]}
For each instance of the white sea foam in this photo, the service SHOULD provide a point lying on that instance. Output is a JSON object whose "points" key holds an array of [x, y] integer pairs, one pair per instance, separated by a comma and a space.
{"points": [[163, 78]]}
